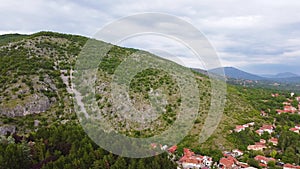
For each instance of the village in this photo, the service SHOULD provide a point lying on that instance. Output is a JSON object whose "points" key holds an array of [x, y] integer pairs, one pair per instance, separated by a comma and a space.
{"points": [[230, 159]]}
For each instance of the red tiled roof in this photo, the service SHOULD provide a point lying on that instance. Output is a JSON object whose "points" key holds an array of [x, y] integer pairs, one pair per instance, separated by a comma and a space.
{"points": [[255, 147], [263, 165], [273, 140], [239, 127], [291, 166], [190, 157], [263, 158], [267, 126], [260, 144], [228, 163], [172, 149], [187, 152], [294, 129]]}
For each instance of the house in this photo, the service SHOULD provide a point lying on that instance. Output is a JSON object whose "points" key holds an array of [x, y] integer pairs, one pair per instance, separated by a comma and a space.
{"points": [[274, 141], [229, 160], [239, 128], [294, 130], [191, 160], [289, 109], [237, 153], [256, 147], [227, 163], [290, 166], [265, 128], [263, 159], [172, 149]]}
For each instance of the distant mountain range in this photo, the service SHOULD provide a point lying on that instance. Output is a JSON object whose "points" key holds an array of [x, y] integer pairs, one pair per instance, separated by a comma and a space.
{"points": [[237, 74], [282, 75]]}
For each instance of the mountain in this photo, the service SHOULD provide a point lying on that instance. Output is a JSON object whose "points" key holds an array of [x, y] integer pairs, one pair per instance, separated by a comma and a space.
{"points": [[235, 73], [281, 75], [287, 80], [35, 82]]}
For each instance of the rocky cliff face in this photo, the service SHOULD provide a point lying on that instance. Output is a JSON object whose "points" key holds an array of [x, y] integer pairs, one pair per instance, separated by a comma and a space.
{"points": [[7, 129], [30, 77], [36, 104]]}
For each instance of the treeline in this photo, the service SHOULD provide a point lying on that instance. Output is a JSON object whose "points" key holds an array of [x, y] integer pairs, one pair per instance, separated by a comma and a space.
{"points": [[66, 146]]}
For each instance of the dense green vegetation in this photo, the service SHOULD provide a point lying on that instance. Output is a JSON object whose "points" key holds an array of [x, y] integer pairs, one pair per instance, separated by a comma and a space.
{"points": [[66, 146], [8, 38]]}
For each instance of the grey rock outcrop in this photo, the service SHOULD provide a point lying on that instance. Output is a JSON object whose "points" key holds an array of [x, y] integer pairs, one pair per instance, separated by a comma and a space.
{"points": [[35, 105], [5, 129]]}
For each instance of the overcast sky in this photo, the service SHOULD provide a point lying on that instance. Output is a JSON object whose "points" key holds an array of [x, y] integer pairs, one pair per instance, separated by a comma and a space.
{"points": [[259, 36]]}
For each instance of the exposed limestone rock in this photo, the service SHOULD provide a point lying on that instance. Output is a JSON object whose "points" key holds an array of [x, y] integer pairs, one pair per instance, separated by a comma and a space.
{"points": [[5, 129], [36, 104]]}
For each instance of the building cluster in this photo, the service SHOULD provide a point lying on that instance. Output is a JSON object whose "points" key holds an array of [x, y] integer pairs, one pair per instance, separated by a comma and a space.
{"points": [[266, 128], [261, 145], [288, 108], [258, 145], [192, 160], [240, 128]]}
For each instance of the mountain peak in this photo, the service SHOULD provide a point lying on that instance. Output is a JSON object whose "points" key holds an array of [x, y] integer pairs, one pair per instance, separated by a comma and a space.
{"points": [[286, 74], [236, 73]]}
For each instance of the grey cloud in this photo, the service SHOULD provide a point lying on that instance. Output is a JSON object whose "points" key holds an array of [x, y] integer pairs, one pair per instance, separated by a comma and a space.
{"points": [[244, 33]]}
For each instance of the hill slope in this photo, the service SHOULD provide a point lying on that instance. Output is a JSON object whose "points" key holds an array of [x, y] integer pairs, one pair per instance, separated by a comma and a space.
{"points": [[36, 91]]}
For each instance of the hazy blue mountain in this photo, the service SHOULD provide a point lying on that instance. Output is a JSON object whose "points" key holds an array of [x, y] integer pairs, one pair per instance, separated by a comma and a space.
{"points": [[235, 73], [281, 75]]}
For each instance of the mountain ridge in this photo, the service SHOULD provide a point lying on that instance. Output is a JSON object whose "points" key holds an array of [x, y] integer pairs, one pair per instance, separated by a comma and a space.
{"points": [[235, 73], [281, 75]]}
